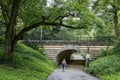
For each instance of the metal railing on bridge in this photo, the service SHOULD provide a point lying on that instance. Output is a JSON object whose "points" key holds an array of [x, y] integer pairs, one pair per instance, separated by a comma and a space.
{"points": [[78, 40]]}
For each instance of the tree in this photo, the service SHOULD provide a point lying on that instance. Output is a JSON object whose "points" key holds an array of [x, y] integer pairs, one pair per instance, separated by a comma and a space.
{"points": [[21, 16], [108, 10]]}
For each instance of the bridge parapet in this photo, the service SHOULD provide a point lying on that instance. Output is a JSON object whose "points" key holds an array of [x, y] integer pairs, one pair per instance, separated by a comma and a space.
{"points": [[84, 41]]}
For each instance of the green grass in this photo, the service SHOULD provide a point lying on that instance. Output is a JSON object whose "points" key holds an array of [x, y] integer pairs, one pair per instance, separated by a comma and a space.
{"points": [[115, 76], [27, 64], [106, 68]]}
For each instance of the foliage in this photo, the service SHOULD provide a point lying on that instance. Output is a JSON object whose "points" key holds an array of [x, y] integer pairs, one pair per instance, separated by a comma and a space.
{"points": [[105, 52], [27, 64], [108, 10], [21, 16], [116, 48], [115, 76], [55, 33], [66, 32], [2, 41], [108, 65], [99, 7]]}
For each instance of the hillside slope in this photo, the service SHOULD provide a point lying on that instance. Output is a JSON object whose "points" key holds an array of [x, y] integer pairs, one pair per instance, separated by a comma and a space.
{"points": [[27, 64], [106, 68]]}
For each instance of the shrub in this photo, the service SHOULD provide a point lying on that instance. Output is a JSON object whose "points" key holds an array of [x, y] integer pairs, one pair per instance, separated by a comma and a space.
{"points": [[108, 65], [105, 52], [116, 48]]}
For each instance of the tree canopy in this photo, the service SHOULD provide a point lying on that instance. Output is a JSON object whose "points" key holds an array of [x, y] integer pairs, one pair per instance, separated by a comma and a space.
{"points": [[108, 11], [21, 16]]}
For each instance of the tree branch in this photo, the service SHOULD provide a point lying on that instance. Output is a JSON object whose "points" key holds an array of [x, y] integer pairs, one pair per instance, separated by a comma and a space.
{"points": [[26, 29], [12, 20], [23, 1], [60, 17], [30, 27], [64, 25]]}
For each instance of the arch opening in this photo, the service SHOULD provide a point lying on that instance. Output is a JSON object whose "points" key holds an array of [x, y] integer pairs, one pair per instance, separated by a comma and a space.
{"points": [[68, 55], [77, 59]]}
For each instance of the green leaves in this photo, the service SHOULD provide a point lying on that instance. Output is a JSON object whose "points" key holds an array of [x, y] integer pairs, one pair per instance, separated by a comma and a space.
{"points": [[31, 11], [108, 66], [105, 66]]}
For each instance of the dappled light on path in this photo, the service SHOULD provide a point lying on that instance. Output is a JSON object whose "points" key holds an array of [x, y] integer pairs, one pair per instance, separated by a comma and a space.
{"points": [[71, 73]]}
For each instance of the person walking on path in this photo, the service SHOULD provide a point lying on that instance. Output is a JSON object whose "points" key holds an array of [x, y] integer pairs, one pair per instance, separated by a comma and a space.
{"points": [[63, 64]]}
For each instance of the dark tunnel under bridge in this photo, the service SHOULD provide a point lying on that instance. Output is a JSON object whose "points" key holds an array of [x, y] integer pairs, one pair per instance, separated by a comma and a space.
{"points": [[66, 54]]}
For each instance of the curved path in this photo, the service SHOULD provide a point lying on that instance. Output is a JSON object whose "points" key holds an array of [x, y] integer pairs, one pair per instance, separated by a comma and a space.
{"points": [[71, 73]]}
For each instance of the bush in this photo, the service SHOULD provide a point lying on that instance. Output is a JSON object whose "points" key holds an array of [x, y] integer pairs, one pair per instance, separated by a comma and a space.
{"points": [[108, 65], [105, 52], [116, 48]]}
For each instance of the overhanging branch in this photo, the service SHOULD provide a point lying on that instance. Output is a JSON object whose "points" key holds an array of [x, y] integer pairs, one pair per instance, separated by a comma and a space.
{"points": [[26, 29], [60, 17], [41, 23], [64, 25]]}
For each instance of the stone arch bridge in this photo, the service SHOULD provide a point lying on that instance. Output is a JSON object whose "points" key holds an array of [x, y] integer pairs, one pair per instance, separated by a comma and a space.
{"points": [[56, 50]]}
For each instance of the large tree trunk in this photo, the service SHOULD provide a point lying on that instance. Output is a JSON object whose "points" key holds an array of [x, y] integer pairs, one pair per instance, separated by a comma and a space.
{"points": [[9, 35], [9, 47], [116, 27]]}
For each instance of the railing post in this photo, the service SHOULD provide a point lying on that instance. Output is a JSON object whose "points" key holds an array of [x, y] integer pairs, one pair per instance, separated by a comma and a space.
{"points": [[88, 54]]}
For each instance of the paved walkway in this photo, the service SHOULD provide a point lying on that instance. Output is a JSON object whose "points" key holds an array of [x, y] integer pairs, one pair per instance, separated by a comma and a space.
{"points": [[71, 73]]}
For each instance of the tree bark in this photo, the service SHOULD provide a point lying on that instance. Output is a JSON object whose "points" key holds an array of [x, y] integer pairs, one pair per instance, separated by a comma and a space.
{"points": [[9, 35], [116, 27]]}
